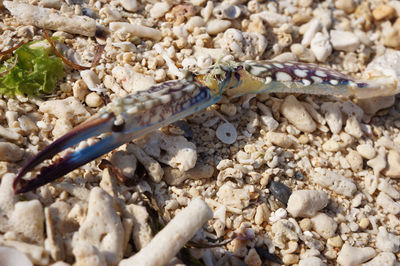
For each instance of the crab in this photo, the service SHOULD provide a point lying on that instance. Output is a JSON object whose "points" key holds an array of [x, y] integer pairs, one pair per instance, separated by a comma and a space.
{"points": [[135, 115]]}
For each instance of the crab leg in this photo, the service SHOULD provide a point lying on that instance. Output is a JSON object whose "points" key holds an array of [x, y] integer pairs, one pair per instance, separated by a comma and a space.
{"points": [[125, 119]]}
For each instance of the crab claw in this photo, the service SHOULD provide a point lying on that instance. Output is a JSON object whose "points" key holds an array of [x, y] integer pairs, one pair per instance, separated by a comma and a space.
{"points": [[122, 120], [93, 127]]}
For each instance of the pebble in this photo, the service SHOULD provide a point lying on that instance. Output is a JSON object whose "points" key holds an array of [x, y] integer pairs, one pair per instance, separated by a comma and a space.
{"points": [[306, 203], [175, 177], [373, 105], [355, 160], [10, 152], [125, 162], [333, 116], [335, 241], [93, 100], [159, 9], [346, 5], [336, 182], [280, 139], [324, 225], [262, 214], [130, 5], [366, 151], [349, 256], [344, 40], [386, 187], [371, 183], [302, 53], [305, 224], [387, 204], [353, 127], [311, 261], [312, 28], [280, 191], [364, 223], [386, 241], [321, 47], [382, 12], [383, 258], [296, 113], [252, 258], [379, 162], [290, 259], [331, 146], [10, 256], [216, 26], [393, 164]]}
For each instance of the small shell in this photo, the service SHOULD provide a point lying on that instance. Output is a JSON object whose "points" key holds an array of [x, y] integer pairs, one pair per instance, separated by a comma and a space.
{"points": [[226, 133], [12, 256]]}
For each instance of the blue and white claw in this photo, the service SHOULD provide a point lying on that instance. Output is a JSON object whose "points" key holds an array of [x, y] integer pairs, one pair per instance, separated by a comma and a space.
{"points": [[124, 120]]}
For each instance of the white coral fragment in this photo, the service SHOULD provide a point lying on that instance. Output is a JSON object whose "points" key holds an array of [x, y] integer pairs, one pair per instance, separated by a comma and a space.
{"points": [[172, 238], [102, 228], [50, 19], [177, 151]]}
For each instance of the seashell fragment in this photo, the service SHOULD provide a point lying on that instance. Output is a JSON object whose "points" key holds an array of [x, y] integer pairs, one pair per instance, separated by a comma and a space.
{"points": [[226, 133]]}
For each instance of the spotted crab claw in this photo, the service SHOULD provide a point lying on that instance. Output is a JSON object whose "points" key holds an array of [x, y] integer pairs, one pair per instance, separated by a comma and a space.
{"points": [[122, 120]]}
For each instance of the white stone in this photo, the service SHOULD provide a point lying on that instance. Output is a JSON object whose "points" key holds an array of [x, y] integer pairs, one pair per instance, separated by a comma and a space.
{"points": [[366, 150], [233, 197], [355, 161], [379, 162], [321, 47], [351, 109], [153, 168], [7, 200], [333, 116], [312, 28], [335, 182], [311, 261], [93, 100], [306, 203], [296, 113], [179, 153], [353, 127], [51, 19], [371, 183], [141, 233], [69, 109], [102, 228], [386, 241], [131, 80], [216, 26], [136, 30], [125, 162], [331, 145], [159, 9], [27, 219], [349, 256], [383, 258], [11, 257], [388, 204], [10, 152], [280, 139], [344, 40], [130, 5], [373, 105], [324, 225], [283, 231], [91, 80], [386, 187], [393, 164]]}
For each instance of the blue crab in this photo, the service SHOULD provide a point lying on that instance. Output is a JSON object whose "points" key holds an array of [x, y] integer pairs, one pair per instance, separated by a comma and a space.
{"points": [[137, 114]]}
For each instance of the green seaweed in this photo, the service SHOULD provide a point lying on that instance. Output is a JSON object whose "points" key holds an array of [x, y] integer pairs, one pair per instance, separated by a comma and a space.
{"points": [[35, 73]]}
